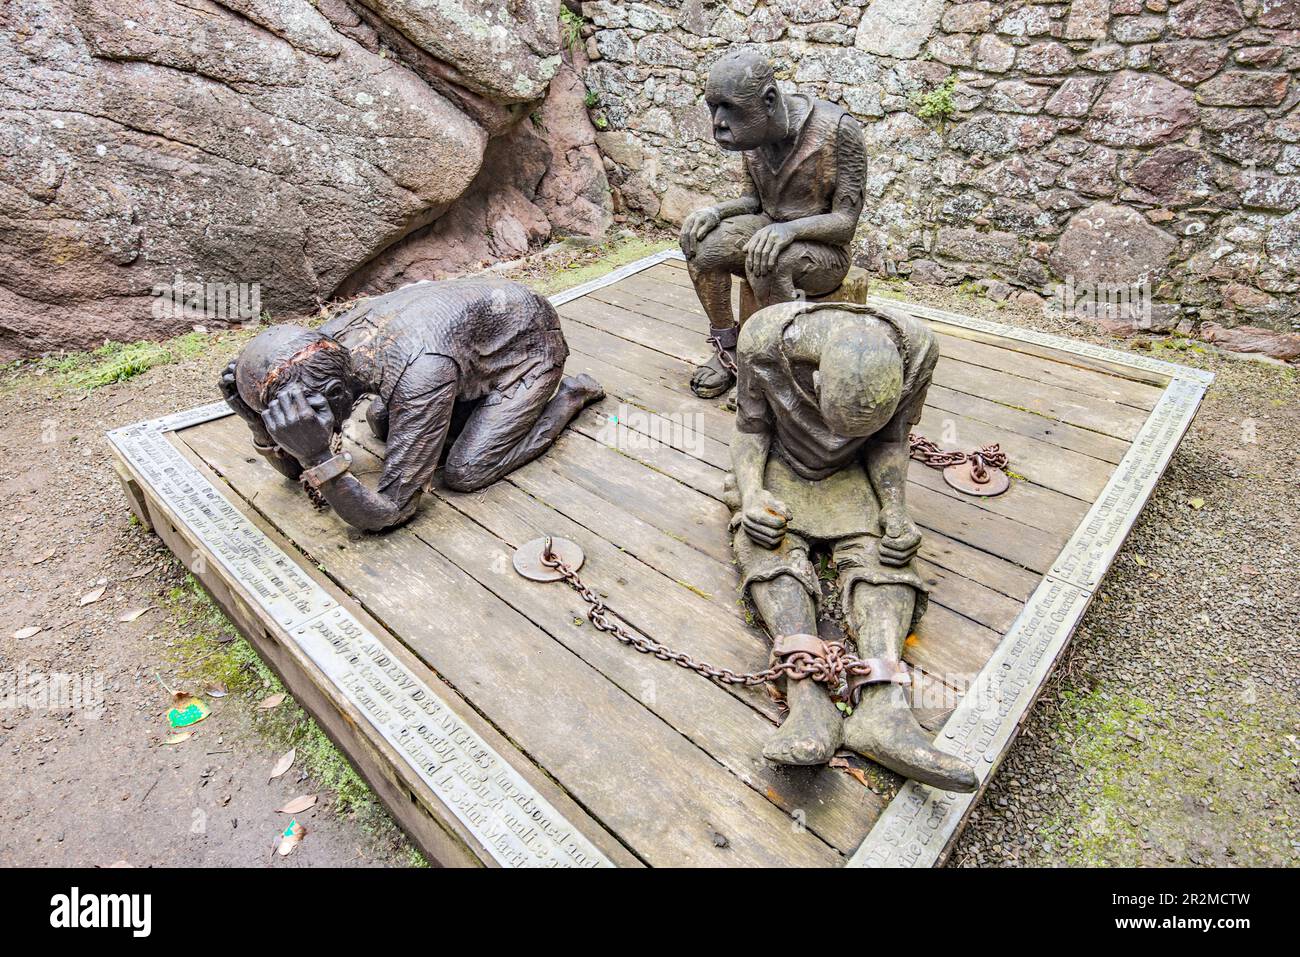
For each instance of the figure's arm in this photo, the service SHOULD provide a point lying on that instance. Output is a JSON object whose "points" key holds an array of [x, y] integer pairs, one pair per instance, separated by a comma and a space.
{"points": [[886, 458], [763, 515], [700, 223], [834, 228], [302, 424]]}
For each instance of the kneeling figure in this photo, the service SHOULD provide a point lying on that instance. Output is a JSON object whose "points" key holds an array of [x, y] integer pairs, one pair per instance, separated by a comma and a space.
{"points": [[470, 371]]}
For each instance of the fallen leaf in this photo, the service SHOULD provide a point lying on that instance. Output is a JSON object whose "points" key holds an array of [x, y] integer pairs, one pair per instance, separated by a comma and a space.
{"points": [[1139, 561], [290, 838], [179, 737], [271, 701], [186, 711], [1197, 503], [217, 691], [284, 764], [44, 558], [27, 632], [299, 804], [94, 595], [133, 614]]}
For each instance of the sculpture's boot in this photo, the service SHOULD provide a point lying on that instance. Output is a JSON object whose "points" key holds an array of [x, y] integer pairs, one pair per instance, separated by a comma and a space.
{"points": [[717, 376], [882, 726], [812, 730]]}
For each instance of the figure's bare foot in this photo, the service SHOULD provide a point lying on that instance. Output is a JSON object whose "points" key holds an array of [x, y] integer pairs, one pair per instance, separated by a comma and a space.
{"points": [[883, 728], [584, 388], [811, 731], [711, 379]]}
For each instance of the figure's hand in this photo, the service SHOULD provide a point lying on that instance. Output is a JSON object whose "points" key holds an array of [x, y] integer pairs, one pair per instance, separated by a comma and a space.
{"points": [[901, 539], [765, 518], [230, 392], [301, 423], [696, 226], [765, 246]]}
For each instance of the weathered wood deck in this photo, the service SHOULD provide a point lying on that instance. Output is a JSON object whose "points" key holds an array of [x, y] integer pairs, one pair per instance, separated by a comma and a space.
{"points": [[533, 738]]}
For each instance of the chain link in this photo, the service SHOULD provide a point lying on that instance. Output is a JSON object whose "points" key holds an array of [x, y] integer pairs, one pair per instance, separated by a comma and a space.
{"points": [[928, 452], [832, 670], [724, 357]]}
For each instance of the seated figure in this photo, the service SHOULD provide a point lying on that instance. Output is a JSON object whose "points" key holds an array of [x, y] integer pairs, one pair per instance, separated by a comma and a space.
{"points": [[789, 235], [826, 395], [470, 371]]}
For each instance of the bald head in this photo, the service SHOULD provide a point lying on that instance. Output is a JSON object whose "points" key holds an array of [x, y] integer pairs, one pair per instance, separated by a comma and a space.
{"points": [[860, 376], [746, 104], [287, 353]]}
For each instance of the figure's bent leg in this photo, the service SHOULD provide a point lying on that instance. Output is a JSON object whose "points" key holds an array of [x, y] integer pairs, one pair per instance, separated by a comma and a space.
{"points": [[882, 726], [719, 256], [803, 269], [500, 436]]}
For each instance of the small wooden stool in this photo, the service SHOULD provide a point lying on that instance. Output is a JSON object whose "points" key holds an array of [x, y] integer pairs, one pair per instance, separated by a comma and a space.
{"points": [[852, 289]]}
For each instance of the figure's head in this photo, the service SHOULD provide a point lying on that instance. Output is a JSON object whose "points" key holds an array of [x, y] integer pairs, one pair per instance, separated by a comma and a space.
{"points": [[859, 377], [744, 100], [284, 354]]}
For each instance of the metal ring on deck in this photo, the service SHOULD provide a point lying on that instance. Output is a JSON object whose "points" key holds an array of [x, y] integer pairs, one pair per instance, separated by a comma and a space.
{"points": [[962, 477], [528, 558]]}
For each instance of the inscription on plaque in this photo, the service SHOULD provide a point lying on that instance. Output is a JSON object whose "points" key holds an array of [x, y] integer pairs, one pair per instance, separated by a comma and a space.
{"points": [[513, 822]]}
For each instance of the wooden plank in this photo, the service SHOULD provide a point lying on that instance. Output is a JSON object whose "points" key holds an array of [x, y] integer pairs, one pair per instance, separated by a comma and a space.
{"points": [[417, 810], [730, 724], [1020, 421], [643, 330], [1084, 381], [1085, 412], [512, 670]]}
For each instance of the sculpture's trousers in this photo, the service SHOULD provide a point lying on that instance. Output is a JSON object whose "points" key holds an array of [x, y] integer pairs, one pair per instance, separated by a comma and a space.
{"points": [[802, 269]]}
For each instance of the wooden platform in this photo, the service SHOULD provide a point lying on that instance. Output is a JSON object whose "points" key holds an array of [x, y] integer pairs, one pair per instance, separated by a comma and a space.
{"points": [[502, 728]]}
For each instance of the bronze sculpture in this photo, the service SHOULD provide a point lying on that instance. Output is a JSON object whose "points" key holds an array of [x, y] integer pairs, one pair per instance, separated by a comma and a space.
{"points": [[789, 235], [826, 395], [466, 370]]}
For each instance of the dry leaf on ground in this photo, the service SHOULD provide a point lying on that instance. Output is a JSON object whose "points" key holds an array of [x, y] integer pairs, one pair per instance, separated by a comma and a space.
{"points": [[271, 701], [28, 632], [284, 764], [299, 804], [133, 614], [93, 595]]}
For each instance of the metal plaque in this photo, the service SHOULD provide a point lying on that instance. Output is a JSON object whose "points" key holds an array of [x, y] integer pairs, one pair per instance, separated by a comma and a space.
{"points": [[514, 823]]}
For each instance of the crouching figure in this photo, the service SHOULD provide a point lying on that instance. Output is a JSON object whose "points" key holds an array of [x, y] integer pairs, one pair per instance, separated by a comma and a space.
{"points": [[825, 398], [467, 373]]}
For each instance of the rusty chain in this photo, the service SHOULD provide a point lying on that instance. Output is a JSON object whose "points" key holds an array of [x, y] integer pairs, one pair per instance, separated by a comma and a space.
{"points": [[724, 357], [928, 452], [833, 670]]}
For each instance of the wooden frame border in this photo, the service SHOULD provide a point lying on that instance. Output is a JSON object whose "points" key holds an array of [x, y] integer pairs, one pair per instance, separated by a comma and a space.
{"points": [[915, 830]]}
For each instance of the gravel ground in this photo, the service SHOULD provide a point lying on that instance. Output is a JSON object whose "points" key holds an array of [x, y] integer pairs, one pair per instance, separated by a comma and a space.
{"points": [[1168, 736]]}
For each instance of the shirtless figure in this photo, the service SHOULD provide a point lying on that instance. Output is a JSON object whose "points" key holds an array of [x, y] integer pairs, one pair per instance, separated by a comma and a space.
{"points": [[826, 396], [789, 235], [470, 371]]}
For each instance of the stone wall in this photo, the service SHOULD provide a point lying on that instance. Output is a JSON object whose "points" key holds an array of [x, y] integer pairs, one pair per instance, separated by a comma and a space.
{"points": [[300, 148], [1103, 141]]}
